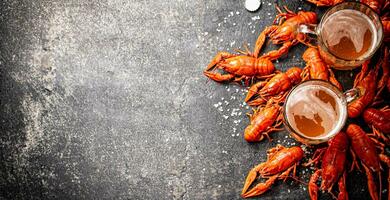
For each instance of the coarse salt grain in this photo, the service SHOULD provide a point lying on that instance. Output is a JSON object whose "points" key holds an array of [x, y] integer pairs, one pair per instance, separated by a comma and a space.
{"points": [[255, 18], [232, 43]]}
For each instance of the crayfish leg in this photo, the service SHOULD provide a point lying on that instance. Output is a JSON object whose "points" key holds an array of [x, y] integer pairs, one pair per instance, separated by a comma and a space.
{"points": [[260, 188], [256, 102], [254, 89], [218, 77], [312, 186], [343, 194], [334, 81], [354, 162], [316, 157], [386, 160], [286, 173], [272, 151], [371, 183]]}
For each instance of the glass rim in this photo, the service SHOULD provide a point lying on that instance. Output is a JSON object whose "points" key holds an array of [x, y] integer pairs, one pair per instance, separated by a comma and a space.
{"points": [[373, 51], [332, 133]]}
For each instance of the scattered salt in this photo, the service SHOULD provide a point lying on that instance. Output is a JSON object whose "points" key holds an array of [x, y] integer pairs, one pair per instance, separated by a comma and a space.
{"points": [[255, 18]]}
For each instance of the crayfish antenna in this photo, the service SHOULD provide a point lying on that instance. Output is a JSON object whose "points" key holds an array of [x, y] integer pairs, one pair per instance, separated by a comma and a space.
{"points": [[343, 194], [312, 186], [354, 162], [371, 183]]}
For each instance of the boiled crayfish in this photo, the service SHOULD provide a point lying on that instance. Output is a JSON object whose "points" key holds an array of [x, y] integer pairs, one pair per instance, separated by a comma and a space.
{"points": [[332, 167], [367, 82], [238, 67], [278, 85], [316, 68], [281, 161], [264, 120], [285, 33], [380, 122], [365, 149]]}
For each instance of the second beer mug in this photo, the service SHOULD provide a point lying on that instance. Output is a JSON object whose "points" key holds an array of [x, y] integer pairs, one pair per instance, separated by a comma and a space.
{"points": [[347, 35]]}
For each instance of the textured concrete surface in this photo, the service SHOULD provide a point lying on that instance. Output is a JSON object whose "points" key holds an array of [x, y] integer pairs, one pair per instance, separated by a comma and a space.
{"points": [[106, 100]]}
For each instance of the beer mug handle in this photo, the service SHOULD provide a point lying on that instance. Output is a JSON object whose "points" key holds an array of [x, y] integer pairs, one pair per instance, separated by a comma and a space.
{"points": [[309, 29], [353, 94]]}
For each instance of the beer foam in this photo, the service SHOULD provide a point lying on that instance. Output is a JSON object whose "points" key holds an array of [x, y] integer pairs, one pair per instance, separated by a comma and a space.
{"points": [[310, 108]]}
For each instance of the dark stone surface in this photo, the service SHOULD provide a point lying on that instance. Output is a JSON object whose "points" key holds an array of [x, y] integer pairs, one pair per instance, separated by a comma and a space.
{"points": [[106, 100]]}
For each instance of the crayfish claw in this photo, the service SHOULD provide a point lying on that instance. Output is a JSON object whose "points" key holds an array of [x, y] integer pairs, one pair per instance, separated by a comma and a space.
{"points": [[260, 188], [249, 180]]}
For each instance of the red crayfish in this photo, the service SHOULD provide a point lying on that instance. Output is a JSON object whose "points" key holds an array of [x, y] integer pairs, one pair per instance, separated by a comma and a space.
{"points": [[365, 148], [281, 161], [286, 32], [264, 120], [332, 167], [238, 67], [278, 85], [316, 68]]}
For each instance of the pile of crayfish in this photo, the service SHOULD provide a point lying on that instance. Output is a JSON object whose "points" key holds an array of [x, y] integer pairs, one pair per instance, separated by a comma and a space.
{"points": [[268, 88]]}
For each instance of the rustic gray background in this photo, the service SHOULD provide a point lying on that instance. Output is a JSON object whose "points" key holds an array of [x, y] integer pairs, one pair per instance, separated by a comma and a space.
{"points": [[106, 100]]}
